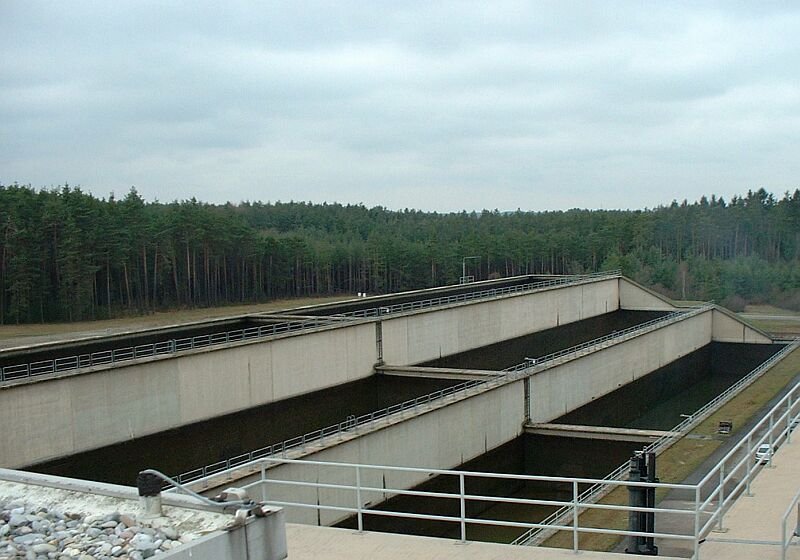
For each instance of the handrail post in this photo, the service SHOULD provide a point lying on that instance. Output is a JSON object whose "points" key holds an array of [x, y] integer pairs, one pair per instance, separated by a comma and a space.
{"points": [[771, 436], [696, 555], [749, 464], [358, 499], [263, 481], [463, 504], [575, 543], [721, 503], [783, 539]]}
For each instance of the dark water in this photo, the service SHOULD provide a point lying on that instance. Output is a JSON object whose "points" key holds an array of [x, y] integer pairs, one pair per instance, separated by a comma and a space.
{"points": [[514, 351], [528, 454], [655, 402], [183, 449], [180, 450]]}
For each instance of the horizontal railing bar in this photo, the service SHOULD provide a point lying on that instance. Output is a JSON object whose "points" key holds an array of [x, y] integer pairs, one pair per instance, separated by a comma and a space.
{"points": [[431, 398], [69, 363]]}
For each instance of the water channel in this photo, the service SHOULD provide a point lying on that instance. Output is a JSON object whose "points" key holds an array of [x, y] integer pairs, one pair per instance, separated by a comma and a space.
{"points": [[656, 402]]}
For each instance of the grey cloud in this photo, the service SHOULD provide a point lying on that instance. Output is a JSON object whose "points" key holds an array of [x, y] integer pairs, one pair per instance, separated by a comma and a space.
{"points": [[434, 105]]}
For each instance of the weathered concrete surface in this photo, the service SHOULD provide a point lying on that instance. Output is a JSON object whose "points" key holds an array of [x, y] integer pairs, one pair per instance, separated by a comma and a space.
{"points": [[729, 328], [419, 337], [597, 432], [207, 531], [325, 543], [634, 296], [758, 518], [76, 412], [73, 413], [560, 389], [444, 437], [436, 373]]}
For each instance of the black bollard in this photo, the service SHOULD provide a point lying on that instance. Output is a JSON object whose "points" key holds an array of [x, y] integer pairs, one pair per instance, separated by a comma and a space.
{"points": [[642, 469]]}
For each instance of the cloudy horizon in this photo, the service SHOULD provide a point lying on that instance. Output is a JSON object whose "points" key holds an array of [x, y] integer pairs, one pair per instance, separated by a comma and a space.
{"points": [[435, 106]]}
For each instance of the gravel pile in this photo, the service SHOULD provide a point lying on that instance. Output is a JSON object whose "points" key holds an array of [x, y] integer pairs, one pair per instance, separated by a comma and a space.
{"points": [[37, 533]]}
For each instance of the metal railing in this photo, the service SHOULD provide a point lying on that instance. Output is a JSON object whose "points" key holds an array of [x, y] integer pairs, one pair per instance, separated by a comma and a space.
{"points": [[348, 426], [168, 347], [317, 437], [363, 494], [599, 490], [163, 348], [351, 496], [615, 336], [481, 294], [785, 542]]}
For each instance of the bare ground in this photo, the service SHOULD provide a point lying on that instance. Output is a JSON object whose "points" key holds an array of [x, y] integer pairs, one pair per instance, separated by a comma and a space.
{"points": [[19, 335]]}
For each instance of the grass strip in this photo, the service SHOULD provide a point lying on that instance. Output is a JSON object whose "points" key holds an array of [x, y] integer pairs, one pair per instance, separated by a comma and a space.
{"points": [[682, 458]]}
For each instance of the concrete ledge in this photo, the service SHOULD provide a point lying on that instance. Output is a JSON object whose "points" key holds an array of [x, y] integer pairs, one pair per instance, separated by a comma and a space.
{"points": [[598, 432], [437, 373]]}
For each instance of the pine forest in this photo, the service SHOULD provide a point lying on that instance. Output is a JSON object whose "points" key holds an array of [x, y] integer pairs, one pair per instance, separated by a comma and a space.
{"points": [[66, 255]]}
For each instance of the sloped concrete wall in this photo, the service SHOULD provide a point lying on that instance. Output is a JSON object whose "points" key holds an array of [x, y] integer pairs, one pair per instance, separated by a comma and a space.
{"points": [[729, 328], [561, 389], [50, 418], [419, 337], [636, 297], [442, 439]]}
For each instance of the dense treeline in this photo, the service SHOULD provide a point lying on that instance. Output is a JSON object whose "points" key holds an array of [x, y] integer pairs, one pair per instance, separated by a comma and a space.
{"points": [[67, 255]]}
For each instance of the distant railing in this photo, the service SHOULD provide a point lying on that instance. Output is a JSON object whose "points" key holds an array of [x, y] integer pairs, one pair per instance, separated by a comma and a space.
{"points": [[350, 425], [651, 325], [493, 292], [455, 391], [597, 491], [167, 347]]}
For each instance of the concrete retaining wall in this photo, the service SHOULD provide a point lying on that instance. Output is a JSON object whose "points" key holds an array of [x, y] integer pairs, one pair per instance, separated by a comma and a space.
{"points": [[636, 297], [420, 337], [561, 389], [77, 412], [442, 439], [729, 328]]}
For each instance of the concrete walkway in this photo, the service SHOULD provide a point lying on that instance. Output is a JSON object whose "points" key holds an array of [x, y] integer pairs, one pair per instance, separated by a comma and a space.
{"points": [[758, 518], [324, 543]]}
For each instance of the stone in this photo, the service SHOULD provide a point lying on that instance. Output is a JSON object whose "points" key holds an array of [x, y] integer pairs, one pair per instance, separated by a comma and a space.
{"points": [[30, 538], [17, 520], [43, 548]]}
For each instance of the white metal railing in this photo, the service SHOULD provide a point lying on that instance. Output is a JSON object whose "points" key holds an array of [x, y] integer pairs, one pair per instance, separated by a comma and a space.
{"points": [[168, 347], [352, 423], [785, 542], [363, 493], [353, 496], [595, 492]]}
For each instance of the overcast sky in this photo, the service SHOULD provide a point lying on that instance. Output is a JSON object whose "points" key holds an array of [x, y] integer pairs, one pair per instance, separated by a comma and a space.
{"points": [[432, 105]]}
